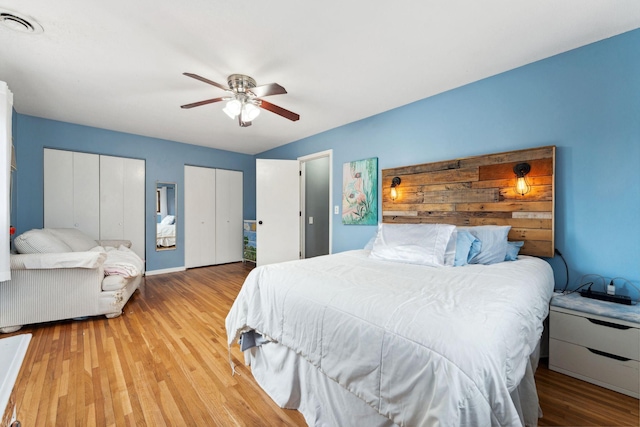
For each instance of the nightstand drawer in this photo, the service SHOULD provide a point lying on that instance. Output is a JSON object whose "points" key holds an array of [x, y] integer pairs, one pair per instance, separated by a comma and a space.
{"points": [[580, 362], [595, 334]]}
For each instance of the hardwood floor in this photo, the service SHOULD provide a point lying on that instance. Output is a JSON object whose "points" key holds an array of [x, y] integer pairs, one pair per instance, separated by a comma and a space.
{"points": [[165, 362]]}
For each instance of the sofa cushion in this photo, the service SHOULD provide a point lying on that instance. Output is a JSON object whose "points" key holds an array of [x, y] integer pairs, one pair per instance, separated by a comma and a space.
{"points": [[74, 238], [39, 241]]}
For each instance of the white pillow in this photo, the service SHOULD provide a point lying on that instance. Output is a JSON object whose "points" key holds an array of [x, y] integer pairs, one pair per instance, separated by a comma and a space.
{"points": [[39, 241], [450, 251], [74, 238], [167, 220], [423, 244]]}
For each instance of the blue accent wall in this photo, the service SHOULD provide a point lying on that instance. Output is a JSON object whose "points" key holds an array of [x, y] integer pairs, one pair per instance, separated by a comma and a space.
{"points": [[164, 162], [586, 102]]}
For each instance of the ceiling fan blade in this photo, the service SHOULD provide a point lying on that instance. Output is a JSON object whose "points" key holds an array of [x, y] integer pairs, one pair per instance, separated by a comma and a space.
{"points": [[279, 110], [266, 90], [202, 79], [205, 102]]}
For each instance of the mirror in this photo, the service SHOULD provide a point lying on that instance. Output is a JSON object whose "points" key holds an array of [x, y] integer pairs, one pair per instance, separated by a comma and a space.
{"points": [[166, 216]]}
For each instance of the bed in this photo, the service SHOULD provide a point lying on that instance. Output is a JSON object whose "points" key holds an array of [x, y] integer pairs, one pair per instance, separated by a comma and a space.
{"points": [[166, 232], [403, 332]]}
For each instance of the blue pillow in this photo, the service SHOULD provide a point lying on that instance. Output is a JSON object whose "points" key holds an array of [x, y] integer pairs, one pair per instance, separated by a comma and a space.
{"points": [[467, 246], [513, 248], [494, 243]]}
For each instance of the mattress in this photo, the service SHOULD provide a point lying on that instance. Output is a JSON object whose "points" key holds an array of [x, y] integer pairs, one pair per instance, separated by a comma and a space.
{"points": [[418, 345]]}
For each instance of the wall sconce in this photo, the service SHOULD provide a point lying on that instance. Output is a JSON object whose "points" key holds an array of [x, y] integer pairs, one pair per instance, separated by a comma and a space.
{"points": [[521, 170], [394, 183]]}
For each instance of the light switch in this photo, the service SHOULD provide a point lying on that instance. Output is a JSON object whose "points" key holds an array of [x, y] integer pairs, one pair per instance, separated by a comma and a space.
{"points": [[336, 209], [310, 220]]}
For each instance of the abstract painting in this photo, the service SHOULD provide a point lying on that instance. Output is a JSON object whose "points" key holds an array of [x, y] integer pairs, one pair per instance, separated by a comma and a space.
{"points": [[360, 192]]}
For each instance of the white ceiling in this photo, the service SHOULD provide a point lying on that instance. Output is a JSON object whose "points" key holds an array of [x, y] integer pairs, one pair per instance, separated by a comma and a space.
{"points": [[118, 64]]}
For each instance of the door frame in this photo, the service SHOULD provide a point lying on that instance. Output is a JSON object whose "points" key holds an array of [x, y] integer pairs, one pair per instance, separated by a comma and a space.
{"points": [[303, 201]]}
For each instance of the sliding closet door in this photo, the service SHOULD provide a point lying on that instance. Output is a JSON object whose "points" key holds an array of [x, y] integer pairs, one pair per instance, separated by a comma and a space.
{"points": [[228, 216], [122, 201], [134, 204], [71, 191], [111, 200], [199, 216]]}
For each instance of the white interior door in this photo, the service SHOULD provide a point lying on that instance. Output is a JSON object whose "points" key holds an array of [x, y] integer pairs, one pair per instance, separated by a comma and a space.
{"points": [[277, 211]]}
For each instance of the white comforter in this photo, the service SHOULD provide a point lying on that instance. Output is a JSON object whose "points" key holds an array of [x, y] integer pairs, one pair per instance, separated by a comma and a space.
{"points": [[424, 346]]}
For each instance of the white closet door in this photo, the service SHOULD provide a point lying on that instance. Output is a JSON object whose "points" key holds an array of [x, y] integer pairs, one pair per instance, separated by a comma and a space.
{"points": [[134, 201], [199, 216], [207, 207], [71, 191], [228, 216], [122, 199], [86, 196], [58, 189], [111, 197]]}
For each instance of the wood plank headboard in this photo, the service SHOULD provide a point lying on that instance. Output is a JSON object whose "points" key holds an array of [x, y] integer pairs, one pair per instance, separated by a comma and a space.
{"points": [[479, 190]]}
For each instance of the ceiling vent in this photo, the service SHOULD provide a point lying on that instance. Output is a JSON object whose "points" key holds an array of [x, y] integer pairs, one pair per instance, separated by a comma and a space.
{"points": [[20, 23]]}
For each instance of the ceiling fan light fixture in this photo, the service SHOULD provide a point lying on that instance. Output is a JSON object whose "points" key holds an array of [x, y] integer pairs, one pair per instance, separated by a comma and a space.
{"points": [[233, 108], [244, 102], [250, 112]]}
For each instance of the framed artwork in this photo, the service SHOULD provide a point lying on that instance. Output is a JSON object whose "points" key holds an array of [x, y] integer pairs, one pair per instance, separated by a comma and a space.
{"points": [[360, 192]]}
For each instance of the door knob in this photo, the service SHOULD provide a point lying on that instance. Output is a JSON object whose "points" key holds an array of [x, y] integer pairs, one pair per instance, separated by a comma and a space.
{"points": [[260, 222]]}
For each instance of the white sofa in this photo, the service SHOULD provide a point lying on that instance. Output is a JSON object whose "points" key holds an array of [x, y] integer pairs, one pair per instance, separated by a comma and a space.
{"points": [[64, 274]]}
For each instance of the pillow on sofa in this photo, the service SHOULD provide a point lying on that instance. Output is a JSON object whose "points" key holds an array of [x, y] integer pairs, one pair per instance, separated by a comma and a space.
{"points": [[74, 238], [39, 241]]}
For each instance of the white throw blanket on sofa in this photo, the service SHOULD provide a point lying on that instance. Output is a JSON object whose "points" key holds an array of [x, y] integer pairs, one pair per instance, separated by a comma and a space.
{"points": [[123, 261]]}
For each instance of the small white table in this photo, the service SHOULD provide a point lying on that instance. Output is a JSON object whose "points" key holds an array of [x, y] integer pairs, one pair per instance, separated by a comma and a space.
{"points": [[596, 341], [12, 352]]}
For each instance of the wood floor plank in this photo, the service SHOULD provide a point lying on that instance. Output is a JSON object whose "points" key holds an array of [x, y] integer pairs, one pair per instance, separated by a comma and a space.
{"points": [[165, 361]]}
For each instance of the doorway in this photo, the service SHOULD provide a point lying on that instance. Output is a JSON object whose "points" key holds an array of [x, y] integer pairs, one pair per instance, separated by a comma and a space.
{"points": [[291, 222], [316, 218]]}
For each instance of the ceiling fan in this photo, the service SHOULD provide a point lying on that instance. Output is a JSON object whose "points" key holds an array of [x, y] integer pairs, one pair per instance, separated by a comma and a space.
{"points": [[244, 101]]}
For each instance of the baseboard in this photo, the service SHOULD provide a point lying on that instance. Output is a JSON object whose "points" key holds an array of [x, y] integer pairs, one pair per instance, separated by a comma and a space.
{"points": [[164, 270]]}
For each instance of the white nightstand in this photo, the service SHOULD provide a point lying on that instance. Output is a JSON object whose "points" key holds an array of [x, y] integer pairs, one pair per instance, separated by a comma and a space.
{"points": [[596, 341]]}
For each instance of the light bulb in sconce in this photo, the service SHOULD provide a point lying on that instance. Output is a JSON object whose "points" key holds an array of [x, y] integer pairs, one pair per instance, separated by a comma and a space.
{"points": [[395, 182], [521, 170]]}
